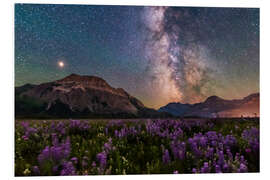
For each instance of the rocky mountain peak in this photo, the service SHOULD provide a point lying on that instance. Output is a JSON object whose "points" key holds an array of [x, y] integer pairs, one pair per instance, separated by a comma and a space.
{"points": [[81, 94], [84, 79]]}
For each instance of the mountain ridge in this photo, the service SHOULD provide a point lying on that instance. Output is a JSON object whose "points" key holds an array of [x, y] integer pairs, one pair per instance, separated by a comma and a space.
{"points": [[78, 96], [91, 96], [215, 106]]}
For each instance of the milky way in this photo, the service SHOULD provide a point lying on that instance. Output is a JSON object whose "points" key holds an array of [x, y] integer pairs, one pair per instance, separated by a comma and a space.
{"points": [[179, 72]]}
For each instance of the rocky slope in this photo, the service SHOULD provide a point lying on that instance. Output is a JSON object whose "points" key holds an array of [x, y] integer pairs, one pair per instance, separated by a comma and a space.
{"points": [[78, 96]]}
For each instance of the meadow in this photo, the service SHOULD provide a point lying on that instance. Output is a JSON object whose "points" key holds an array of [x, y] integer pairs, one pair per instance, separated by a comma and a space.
{"points": [[136, 146]]}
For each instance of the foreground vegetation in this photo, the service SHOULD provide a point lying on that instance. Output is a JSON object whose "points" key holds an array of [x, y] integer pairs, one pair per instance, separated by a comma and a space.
{"points": [[145, 146]]}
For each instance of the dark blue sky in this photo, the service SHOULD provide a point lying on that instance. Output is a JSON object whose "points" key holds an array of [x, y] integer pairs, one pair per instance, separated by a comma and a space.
{"points": [[157, 54]]}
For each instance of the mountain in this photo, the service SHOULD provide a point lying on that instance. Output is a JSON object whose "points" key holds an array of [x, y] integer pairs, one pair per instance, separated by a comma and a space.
{"points": [[176, 109], [215, 106], [78, 96]]}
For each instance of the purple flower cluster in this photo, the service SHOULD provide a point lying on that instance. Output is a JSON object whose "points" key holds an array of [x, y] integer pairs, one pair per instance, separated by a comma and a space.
{"points": [[79, 125], [217, 149], [164, 128], [58, 155], [85, 161], [210, 140], [126, 131], [185, 146], [178, 149], [102, 159], [74, 160], [108, 146], [68, 168], [28, 131], [60, 128], [166, 157], [36, 170], [205, 168], [55, 153], [102, 156], [252, 137], [115, 123]]}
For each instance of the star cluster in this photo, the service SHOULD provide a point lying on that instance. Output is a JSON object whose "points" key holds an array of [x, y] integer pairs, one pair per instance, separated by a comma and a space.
{"points": [[157, 54]]}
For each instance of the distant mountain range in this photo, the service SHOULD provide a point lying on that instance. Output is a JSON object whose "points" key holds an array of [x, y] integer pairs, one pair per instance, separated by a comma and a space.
{"points": [[217, 107], [79, 96]]}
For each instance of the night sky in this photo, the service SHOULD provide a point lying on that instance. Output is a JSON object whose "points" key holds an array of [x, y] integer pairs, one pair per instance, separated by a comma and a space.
{"points": [[157, 54]]}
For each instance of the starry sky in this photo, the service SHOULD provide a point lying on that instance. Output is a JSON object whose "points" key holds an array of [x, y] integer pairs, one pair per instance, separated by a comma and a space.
{"points": [[157, 54]]}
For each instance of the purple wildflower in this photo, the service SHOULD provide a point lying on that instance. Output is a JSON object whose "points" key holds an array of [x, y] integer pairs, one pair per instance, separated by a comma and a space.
{"points": [[94, 164], [74, 160], [55, 153], [25, 137], [102, 159], [248, 150], [217, 168], [166, 157], [178, 149], [68, 169], [210, 152], [108, 146], [225, 167], [242, 168], [36, 170], [194, 170], [84, 161], [220, 158], [205, 168]]}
